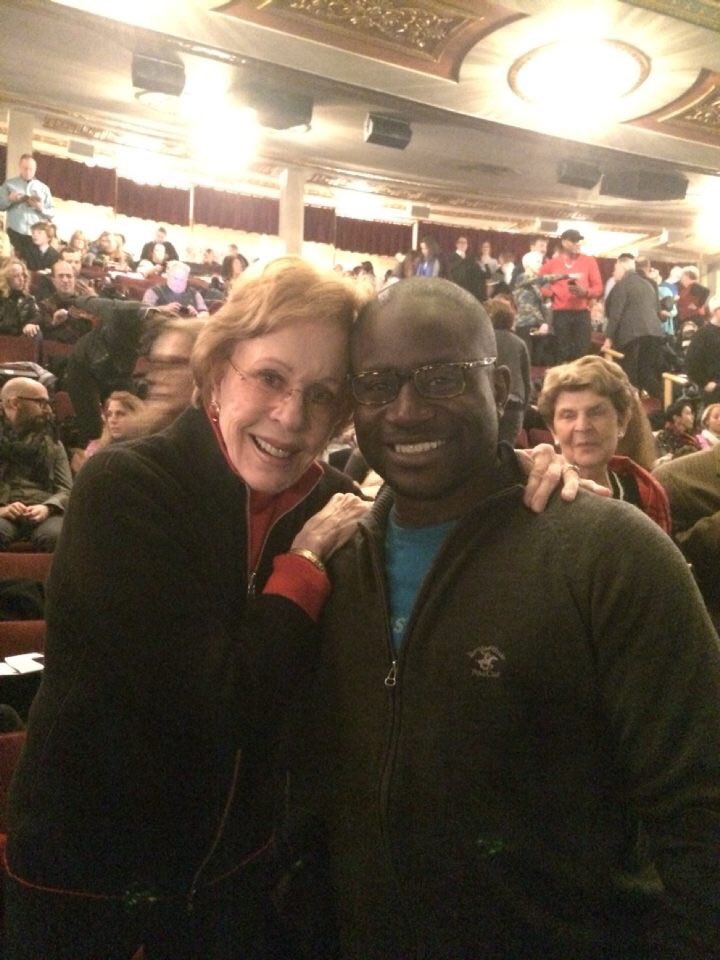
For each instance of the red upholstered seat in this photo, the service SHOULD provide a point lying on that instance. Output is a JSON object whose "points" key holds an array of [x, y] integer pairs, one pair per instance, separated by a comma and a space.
{"points": [[55, 348], [18, 348], [521, 441], [535, 436], [11, 745], [21, 636], [63, 406], [32, 566]]}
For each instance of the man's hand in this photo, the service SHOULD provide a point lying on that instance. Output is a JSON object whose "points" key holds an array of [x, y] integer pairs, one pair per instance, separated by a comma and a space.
{"points": [[13, 511], [577, 290], [14, 196], [34, 201], [607, 344], [37, 513], [710, 386], [31, 330], [59, 317], [546, 470]]}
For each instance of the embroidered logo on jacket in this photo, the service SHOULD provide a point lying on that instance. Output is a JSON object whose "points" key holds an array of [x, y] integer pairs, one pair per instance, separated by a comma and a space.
{"points": [[487, 661]]}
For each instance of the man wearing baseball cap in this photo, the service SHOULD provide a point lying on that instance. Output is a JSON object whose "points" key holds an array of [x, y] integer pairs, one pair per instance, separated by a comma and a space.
{"points": [[570, 298]]}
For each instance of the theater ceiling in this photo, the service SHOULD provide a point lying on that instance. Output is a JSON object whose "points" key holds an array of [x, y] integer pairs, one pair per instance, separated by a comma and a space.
{"points": [[498, 97]]}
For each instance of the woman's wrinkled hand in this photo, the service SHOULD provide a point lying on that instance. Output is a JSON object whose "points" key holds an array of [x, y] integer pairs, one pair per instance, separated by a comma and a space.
{"points": [[546, 470], [333, 526]]}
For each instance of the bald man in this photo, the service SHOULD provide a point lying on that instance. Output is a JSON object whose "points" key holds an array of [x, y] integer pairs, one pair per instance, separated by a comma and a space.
{"points": [[35, 478], [513, 738]]}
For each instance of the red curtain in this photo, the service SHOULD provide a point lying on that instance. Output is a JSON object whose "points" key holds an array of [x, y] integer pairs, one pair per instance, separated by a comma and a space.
{"points": [[370, 236], [319, 224], [153, 203], [235, 211], [70, 180]]}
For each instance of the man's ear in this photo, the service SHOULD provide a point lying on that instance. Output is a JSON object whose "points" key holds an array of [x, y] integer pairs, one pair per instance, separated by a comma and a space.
{"points": [[501, 387]]}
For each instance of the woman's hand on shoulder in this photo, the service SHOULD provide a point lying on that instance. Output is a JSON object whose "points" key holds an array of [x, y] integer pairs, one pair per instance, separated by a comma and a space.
{"points": [[546, 470], [330, 528]]}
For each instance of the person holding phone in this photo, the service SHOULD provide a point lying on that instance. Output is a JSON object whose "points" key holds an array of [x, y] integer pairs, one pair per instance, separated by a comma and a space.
{"points": [[571, 297]]}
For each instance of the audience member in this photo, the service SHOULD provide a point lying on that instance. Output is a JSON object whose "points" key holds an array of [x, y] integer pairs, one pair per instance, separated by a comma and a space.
{"points": [[7, 252], [533, 313], [175, 294], [156, 265], [35, 477], [168, 382], [677, 437], [570, 298], [587, 404], [209, 262], [27, 201], [39, 255], [120, 413], [634, 328], [692, 297], [487, 262], [429, 264], [463, 269], [693, 486], [19, 313], [148, 250], [233, 266], [506, 267], [78, 243], [709, 436], [703, 355], [513, 354], [60, 317], [538, 244], [536, 777], [103, 360]]}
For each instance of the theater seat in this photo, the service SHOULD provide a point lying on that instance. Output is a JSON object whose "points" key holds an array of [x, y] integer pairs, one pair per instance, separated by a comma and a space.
{"points": [[31, 566], [63, 406], [536, 436], [21, 636], [11, 745], [18, 348]]}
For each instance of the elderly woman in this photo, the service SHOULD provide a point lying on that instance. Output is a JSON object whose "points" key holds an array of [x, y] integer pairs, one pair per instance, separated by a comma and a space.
{"points": [[181, 612], [588, 405], [19, 313]]}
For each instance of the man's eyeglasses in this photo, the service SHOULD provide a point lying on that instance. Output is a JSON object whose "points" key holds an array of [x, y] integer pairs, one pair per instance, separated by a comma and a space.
{"points": [[433, 381], [43, 401], [272, 388]]}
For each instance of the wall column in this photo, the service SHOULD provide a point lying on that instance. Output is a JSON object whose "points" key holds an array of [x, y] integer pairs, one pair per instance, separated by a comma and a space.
{"points": [[20, 138], [292, 208]]}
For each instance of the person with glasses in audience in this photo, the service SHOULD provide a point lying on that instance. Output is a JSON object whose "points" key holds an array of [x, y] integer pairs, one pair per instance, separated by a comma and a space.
{"points": [[35, 478], [181, 614], [511, 745]]}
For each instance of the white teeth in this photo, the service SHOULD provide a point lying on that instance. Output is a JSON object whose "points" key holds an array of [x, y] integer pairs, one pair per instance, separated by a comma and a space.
{"points": [[418, 447], [273, 451]]}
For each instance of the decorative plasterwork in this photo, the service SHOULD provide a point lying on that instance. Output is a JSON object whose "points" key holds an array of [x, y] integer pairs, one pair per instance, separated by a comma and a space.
{"points": [[702, 13], [423, 35], [693, 116]]}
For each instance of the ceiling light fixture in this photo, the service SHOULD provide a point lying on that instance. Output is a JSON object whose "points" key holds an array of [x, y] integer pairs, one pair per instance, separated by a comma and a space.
{"points": [[579, 76]]}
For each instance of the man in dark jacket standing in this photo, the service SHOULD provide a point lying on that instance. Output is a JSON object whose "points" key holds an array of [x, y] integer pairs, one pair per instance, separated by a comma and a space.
{"points": [[463, 269], [512, 760], [703, 355], [634, 327]]}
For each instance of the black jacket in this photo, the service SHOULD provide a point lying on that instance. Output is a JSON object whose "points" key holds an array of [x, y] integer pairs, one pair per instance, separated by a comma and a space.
{"points": [[633, 310], [17, 310], [703, 355], [556, 700], [147, 742]]}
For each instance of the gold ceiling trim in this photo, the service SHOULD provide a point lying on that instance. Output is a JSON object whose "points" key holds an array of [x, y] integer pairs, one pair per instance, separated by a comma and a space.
{"points": [[695, 115], [701, 13], [430, 37]]}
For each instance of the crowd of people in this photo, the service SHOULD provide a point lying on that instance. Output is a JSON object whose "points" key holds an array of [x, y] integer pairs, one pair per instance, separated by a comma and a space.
{"points": [[478, 716]]}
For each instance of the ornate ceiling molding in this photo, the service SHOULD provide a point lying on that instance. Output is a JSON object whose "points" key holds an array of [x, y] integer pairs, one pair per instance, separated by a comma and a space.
{"points": [[701, 13], [693, 116], [422, 35]]}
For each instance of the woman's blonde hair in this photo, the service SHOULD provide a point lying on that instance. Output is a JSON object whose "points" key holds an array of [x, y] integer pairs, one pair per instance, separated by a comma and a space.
{"points": [[287, 291], [706, 415], [5, 276], [588, 373]]}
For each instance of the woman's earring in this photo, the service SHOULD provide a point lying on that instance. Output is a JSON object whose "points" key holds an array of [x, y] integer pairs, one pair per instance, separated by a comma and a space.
{"points": [[214, 411]]}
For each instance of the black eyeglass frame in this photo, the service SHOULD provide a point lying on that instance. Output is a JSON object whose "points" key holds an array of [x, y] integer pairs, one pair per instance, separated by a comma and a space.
{"points": [[403, 376]]}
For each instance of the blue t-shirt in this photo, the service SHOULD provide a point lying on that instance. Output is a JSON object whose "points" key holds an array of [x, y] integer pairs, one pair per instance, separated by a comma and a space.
{"points": [[409, 554]]}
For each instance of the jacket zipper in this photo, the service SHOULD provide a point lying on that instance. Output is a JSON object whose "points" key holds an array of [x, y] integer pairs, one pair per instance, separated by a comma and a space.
{"points": [[391, 683]]}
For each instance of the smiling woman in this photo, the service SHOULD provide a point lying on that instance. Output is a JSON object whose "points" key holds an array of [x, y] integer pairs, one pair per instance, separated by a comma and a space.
{"points": [[181, 613]]}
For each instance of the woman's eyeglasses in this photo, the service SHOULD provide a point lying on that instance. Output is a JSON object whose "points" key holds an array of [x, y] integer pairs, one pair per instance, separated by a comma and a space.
{"points": [[433, 381], [271, 387]]}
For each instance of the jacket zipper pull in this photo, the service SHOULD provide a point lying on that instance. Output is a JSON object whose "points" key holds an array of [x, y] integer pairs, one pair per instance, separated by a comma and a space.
{"points": [[251, 584], [391, 678]]}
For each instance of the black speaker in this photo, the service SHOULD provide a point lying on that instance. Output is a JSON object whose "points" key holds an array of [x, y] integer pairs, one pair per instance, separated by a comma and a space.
{"points": [[387, 131], [576, 173], [160, 74], [278, 109], [644, 185]]}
